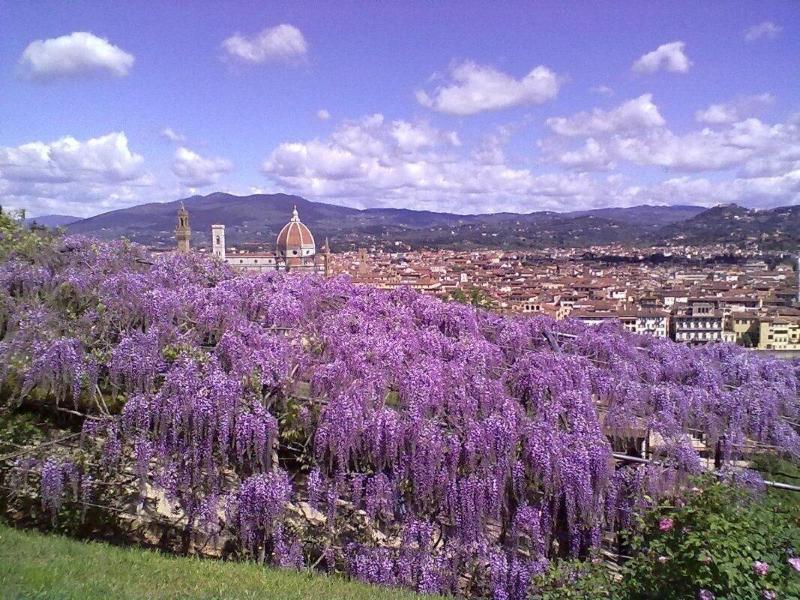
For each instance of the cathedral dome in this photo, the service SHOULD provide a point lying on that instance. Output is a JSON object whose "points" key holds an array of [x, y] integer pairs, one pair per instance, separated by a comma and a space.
{"points": [[295, 239]]}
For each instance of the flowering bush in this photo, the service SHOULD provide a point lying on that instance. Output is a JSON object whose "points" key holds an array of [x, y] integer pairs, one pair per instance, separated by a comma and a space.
{"points": [[447, 448], [722, 544]]}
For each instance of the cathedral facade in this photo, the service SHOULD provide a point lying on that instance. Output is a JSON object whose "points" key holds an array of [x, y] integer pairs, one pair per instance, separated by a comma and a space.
{"points": [[295, 248]]}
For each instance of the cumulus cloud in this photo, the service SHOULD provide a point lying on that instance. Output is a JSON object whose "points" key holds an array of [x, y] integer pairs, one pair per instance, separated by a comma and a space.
{"points": [[105, 158], [667, 57], [766, 191], [592, 156], [168, 133], [372, 161], [602, 90], [282, 43], [749, 147], [194, 170], [77, 54], [639, 113], [638, 135], [475, 88], [71, 176], [323, 115], [491, 148], [735, 110], [766, 30]]}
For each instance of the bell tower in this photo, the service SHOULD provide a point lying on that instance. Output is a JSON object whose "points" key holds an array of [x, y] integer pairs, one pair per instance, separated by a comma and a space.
{"points": [[218, 241], [326, 258], [183, 232]]}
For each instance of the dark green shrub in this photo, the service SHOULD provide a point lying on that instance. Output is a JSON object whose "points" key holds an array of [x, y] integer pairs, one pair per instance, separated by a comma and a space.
{"points": [[718, 539]]}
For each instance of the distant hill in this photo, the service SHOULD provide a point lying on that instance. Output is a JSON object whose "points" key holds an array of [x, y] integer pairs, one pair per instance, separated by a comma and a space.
{"points": [[654, 215], [259, 218], [778, 228], [51, 220]]}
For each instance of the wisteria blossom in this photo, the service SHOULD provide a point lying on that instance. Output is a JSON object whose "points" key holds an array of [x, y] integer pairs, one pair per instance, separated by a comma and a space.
{"points": [[435, 446]]}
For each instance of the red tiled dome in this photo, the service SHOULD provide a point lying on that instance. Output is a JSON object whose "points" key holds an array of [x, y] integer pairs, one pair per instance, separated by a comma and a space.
{"points": [[295, 238]]}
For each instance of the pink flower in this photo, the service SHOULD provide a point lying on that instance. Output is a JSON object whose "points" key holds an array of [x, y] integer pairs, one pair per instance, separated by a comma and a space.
{"points": [[705, 595], [795, 562], [768, 595], [665, 524], [663, 559], [760, 568]]}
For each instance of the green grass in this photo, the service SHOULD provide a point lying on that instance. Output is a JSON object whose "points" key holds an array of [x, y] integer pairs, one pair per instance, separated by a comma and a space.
{"points": [[41, 566]]}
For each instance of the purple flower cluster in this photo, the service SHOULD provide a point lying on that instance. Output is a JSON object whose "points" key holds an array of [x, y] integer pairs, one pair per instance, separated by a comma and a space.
{"points": [[61, 479], [255, 512], [469, 442]]}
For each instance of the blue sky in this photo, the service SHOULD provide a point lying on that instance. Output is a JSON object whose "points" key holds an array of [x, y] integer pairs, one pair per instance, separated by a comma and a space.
{"points": [[464, 107]]}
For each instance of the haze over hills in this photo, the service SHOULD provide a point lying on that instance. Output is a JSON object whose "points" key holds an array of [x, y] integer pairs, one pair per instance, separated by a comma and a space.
{"points": [[259, 218], [51, 220]]}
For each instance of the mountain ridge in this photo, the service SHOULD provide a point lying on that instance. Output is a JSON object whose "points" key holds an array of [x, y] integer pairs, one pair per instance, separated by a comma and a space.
{"points": [[257, 218]]}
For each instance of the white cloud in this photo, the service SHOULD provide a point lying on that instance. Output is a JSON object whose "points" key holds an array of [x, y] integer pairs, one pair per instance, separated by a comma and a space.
{"points": [[76, 54], [667, 57], [168, 133], [375, 162], [70, 176], [602, 90], [372, 162], [274, 44], [766, 30], [323, 115], [735, 110], [491, 148], [593, 156], [105, 158], [412, 137], [475, 88], [749, 147], [635, 133], [195, 171], [757, 192], [639, 113]]}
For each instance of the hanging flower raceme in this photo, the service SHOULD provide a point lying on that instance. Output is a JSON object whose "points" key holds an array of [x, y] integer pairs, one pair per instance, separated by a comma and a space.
{"points": [[61, 368], [256, 512]]}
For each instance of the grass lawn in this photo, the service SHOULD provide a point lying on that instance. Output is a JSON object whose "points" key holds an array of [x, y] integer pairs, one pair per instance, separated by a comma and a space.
{"points": [[36, 565]]}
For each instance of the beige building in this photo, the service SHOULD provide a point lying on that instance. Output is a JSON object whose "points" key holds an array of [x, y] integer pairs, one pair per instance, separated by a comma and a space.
{"points": [[779, 333]]}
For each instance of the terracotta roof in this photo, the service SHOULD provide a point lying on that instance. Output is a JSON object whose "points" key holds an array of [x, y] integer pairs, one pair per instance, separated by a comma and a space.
{"points": [[294, 235]]}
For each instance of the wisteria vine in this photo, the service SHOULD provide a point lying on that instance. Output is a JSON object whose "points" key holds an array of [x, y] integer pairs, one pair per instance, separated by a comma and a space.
{"points": [[431, 445]]}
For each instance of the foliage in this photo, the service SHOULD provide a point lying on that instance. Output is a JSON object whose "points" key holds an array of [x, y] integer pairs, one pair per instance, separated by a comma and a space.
{"points": [[448, 449], [476, 297], [716, 539], [17, 429], [18, 242], [575, 580]]}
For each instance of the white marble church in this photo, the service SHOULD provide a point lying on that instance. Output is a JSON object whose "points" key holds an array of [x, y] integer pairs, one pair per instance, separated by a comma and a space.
{"points": [[295, 248]]}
